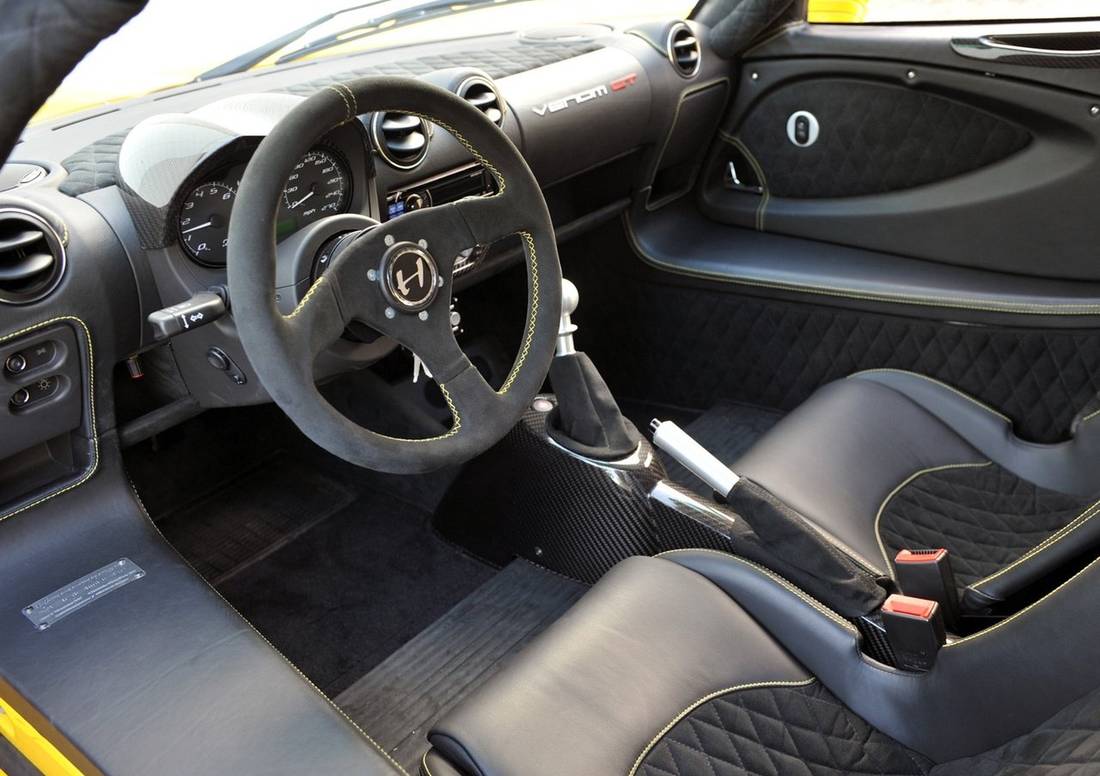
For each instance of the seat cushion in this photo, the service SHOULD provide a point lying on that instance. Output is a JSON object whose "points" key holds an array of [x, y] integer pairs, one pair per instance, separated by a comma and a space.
{"points": [[838, 457], [650, 640]]}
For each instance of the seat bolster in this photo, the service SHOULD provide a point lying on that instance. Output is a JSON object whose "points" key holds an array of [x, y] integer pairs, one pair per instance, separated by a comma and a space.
{"points": [[649, 641], [980, 693], [838, 456], [1068, 467]]}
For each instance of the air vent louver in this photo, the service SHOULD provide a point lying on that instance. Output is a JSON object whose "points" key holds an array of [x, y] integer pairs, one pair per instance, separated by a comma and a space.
{"points": [[683, 50], [480, 93], [400, 138], [32, 258]]}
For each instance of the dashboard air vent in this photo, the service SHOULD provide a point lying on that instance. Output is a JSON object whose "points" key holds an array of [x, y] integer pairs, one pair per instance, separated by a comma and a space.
{"points": [[400, 138], [32, 257], [481, 93], [683, 50]]}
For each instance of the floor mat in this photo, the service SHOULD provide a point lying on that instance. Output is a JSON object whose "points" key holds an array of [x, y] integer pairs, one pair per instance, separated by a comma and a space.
{"points": [[727, 430], [354, 588], [252, 516], [401, 698]]}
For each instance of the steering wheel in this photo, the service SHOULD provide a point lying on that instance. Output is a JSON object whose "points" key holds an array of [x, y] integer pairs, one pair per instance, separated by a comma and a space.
{"points": [[396, 278]]}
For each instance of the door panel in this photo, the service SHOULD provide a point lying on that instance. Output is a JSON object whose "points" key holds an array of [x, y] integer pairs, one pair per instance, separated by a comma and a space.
{"points": [[927, 162]]}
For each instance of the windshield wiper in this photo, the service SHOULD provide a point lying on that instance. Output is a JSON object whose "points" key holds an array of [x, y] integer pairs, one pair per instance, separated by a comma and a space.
{"points": [[428, 10], [249, 59]]}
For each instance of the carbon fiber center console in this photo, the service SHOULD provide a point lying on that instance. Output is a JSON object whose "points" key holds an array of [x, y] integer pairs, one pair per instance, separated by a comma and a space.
{"points": [[571, 514]]}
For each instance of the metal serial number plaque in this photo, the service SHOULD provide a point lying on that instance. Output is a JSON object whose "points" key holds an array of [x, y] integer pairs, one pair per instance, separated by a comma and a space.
{"points": [[46, 611]]}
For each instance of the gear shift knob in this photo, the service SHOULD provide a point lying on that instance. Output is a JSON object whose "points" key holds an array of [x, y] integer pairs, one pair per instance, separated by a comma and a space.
{"points": [[570, 298]]}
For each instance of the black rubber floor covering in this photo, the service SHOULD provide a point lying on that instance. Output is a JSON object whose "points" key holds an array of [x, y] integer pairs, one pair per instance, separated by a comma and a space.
{"points": [[400, 699], [727, 430]]}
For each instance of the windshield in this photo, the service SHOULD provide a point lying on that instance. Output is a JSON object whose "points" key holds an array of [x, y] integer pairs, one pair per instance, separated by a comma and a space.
{"points": [[171, 43]]}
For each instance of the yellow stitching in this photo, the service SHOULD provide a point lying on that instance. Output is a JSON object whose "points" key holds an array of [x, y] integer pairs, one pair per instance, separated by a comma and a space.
{"points": [[309, 294], [351, 96], [91, 410], [846, 293], [532, 321], [806, 597], [1022, 612], [286, 660], [347, 105], [902, 484], [953, 390], [710, 697], [456, 424], [1088, 417], [424, 764], [469, 147], [1062, 533]]}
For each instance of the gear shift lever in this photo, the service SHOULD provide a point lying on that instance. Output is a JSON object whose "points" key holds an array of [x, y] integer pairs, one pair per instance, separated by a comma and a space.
{"points": [[570, 298], [587, 420]]}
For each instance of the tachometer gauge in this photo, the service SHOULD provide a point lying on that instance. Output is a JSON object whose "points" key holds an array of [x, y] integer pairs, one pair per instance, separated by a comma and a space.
{"points": [[204, 222], [317, 187]]}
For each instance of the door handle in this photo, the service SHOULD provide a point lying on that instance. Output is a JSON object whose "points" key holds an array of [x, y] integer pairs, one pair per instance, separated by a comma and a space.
{"points": [[733, 182], [989, 48]]}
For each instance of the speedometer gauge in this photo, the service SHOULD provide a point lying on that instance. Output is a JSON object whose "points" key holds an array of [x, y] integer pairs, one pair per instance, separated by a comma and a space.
{"points": [[317, 187], [204, 222]]}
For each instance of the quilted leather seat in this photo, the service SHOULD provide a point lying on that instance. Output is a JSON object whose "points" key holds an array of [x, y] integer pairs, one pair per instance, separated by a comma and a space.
{"points": [[888, 460], [697, 662]]}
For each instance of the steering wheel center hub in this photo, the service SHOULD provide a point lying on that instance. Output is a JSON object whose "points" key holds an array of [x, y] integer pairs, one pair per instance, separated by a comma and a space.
{"points": [[410, 277]]}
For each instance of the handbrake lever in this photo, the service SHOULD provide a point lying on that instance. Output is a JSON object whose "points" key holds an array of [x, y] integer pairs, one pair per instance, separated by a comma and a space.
{"points": [[693, 456]]}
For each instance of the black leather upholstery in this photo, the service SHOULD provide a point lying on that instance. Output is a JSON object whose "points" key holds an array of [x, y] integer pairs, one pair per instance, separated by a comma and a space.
{"points": [[648, 641], [888, 460], [627, 683]]}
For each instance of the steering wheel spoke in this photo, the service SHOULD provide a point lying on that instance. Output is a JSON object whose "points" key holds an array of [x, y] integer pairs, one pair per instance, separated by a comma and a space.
{"points": [[492, 218], [316, 322]]}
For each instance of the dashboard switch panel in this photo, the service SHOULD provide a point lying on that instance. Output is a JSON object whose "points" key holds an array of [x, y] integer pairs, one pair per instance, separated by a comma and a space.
{"points": [[42, 388]]}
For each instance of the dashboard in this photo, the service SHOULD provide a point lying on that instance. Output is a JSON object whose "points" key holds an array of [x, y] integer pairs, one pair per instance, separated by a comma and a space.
{"points": [[128, 207]]}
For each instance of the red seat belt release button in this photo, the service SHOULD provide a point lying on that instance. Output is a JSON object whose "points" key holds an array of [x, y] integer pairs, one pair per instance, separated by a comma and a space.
{"points": [[927, 574], [914, 628]]}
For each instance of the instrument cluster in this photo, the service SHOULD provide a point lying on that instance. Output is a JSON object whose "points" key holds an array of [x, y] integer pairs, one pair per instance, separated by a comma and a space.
{"points": [[320, 185]]}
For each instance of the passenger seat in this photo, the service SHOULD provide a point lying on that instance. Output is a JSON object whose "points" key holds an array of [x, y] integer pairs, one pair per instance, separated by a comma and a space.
{"points": [[888, 460]]}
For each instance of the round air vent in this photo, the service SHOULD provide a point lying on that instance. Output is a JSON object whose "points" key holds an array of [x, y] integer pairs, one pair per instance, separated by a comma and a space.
{"points": [[32, 257], [400, 138], [683, 50], [481, 93]]}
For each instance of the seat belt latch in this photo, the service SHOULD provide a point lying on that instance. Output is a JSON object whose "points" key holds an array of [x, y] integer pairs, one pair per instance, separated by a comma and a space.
{"points": [[927, 574], [914, 628]]}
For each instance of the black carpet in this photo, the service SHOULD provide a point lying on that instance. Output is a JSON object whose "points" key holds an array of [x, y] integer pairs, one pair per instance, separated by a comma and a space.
{"points": [[336, 565], [727, 430], [402, 697], [354, 588]]}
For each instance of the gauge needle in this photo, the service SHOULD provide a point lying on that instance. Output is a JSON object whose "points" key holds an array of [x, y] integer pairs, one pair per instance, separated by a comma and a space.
{"points": [[303, 199], [196, 228]]}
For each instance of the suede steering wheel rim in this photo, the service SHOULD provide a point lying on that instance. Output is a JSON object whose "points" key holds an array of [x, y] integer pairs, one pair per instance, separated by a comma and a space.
{"points": [[407, 297]]}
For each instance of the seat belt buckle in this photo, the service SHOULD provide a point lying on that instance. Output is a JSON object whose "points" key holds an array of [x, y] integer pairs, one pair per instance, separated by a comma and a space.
{"points": [[927, 574], [914, 628]]}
